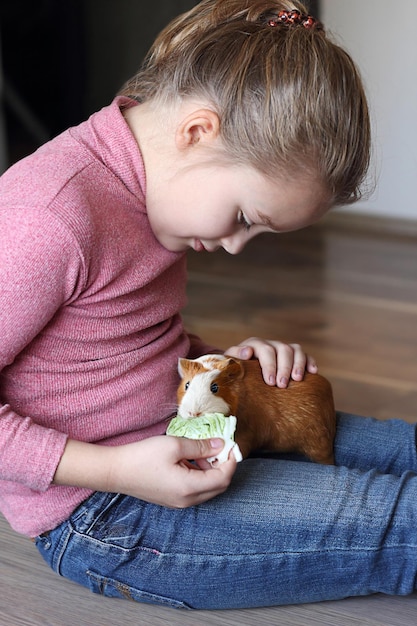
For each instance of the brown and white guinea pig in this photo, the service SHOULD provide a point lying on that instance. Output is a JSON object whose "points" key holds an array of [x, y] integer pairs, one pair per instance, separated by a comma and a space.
{"points": [[300, 418]]}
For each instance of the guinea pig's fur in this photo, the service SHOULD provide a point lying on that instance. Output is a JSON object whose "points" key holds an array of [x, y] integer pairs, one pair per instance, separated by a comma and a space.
{"points": [[300, 418]]}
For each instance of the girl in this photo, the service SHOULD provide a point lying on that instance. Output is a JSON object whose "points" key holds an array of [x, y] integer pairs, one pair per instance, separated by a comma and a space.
{"points": [[245, 118]]}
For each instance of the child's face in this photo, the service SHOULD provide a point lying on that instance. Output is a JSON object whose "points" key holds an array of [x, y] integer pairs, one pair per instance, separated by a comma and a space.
{"points": [[207, 206]]}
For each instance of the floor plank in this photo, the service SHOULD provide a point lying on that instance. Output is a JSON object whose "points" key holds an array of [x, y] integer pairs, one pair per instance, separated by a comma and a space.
{"points": [[350, 299]]}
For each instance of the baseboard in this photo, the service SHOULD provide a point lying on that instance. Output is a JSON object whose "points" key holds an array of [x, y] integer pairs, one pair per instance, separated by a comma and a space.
{"points": [[367, 223]]}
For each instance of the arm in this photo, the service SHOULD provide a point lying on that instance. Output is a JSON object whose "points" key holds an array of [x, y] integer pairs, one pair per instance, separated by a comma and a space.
{"points": [[40, 272], [198, 347], [154, 470], [35, 279]]}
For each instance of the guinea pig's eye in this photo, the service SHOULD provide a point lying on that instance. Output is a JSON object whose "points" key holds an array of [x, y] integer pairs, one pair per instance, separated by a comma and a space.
{"points": [[214, 387], [187, 384]]}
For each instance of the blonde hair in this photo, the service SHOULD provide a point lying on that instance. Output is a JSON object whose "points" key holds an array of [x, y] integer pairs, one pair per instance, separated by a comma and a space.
{"points": [[289, 99]]}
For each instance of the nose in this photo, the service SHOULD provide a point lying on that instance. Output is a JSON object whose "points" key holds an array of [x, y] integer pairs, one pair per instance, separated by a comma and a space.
{"points": [[212, 248], [234, 244]]}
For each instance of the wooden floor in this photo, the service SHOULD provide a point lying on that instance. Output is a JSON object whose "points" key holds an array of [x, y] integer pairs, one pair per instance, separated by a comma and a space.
{"points": [[350, 297]]}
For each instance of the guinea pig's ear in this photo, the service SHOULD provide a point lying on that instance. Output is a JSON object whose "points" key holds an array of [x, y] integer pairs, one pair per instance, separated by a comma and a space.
{"points": [[182, 367], [234, 369]]}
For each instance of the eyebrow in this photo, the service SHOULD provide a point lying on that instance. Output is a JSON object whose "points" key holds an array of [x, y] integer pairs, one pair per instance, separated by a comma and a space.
{"points": [[266, 221]]}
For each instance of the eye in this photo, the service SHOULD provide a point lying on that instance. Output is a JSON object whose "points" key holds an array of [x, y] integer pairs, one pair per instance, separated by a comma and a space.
{"points": [[243, 221], [187, 384], [214, 387]]}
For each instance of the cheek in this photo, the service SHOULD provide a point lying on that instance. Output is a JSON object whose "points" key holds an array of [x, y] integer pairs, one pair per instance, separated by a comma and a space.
{"points": [[211, 224]]}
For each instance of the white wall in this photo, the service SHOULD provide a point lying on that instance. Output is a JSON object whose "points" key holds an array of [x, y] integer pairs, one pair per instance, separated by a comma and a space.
{"points": [[381, 37]]}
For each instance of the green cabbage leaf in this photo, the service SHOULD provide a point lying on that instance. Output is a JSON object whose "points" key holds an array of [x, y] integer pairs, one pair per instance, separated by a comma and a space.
{"points": [[208, 426]]}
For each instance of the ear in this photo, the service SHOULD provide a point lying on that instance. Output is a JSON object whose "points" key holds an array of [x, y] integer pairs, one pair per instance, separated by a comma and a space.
{"points": [[234, 369], [182, 366], [200, 126]]}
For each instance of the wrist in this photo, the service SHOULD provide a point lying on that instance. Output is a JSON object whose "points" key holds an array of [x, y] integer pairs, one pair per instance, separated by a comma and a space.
{"points": [[86, 465]]}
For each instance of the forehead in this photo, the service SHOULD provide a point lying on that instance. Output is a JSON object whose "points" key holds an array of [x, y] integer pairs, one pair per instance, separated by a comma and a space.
{"points": [[287, 203]]}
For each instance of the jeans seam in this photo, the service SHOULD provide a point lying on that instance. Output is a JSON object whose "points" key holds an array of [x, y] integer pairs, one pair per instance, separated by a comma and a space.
{"points": [[60, 550]]}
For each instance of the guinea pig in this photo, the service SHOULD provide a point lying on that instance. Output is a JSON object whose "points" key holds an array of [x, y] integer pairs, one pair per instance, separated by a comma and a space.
{"points": [[300, 418]]}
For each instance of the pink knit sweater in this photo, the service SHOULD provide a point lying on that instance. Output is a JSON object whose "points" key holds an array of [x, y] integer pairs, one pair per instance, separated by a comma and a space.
{"points": [[89, 313]]}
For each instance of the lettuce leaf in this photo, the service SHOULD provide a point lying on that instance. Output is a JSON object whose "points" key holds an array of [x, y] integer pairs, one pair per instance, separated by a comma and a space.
{"points": [[206, 427]]}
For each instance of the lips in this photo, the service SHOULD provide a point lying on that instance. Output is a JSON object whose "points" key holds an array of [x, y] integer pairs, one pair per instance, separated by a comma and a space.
{"points": [[198, 246]]}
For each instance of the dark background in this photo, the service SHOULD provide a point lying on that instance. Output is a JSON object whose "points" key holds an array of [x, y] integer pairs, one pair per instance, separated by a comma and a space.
{"points": [[62, 60]]}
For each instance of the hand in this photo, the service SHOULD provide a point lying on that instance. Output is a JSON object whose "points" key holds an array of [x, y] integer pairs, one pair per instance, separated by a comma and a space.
{"points": [[279, 361], [155, 469]]}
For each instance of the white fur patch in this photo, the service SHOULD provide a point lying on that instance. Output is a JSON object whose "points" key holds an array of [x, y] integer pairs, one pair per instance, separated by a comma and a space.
{"points": [[209, 361], [198, 399]]}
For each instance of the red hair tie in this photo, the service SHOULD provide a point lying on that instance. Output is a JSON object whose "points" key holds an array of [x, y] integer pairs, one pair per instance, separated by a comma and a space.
{"points": [[295, 17]]}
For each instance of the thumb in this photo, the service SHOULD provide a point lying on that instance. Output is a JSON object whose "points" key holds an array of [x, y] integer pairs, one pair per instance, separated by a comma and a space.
{"points": [[241, 352], [201, 448]]}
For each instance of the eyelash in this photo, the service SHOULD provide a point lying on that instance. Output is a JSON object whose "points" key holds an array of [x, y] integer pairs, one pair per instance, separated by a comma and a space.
{"points": [[243, 221]]}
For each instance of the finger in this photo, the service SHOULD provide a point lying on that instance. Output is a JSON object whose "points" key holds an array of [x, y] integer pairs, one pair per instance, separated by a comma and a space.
{"points": [[198, 486], [189, 464], [206, 465], [241, 352], [285, 362], [266, 353], [203, 464], [311, 365], [299, 362], [198, 448]]}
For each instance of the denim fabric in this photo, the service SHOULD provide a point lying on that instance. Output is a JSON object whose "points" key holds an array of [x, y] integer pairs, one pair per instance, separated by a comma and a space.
{"points": [[286, 531]]}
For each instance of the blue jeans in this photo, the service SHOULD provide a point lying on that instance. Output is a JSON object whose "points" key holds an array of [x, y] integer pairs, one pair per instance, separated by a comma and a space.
{"points": [[285, 532]]}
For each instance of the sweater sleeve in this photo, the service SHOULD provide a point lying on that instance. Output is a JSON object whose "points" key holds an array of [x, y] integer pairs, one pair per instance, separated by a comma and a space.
{"points": [[198, 347], [29, 454], [38, 273]]}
